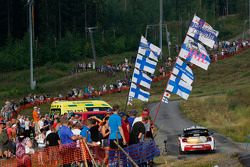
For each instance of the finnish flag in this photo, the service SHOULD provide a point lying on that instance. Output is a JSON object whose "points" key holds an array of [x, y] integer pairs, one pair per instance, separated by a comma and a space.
{"points": [[145, 64], [202, 31], [149, 50], [141, 78], [138, 93], [182, 70], [179, 87]]}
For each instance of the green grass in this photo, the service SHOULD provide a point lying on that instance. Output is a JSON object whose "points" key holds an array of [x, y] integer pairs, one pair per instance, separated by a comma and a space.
{"points": [[227, 160]]}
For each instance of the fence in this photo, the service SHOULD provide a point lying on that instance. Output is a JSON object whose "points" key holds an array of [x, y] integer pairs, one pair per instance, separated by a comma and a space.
{"points": [[74, 153]]}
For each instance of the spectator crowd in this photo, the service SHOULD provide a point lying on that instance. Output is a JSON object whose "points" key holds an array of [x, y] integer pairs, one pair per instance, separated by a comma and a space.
{"points": [[23, 136]]}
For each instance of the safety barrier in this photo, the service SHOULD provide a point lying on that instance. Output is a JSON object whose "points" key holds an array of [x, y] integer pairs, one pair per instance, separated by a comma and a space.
{"points": [[59, 155], [75, 153]]}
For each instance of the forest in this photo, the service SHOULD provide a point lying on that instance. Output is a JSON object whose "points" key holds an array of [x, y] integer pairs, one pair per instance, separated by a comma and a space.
{"points": [[60, 27]]}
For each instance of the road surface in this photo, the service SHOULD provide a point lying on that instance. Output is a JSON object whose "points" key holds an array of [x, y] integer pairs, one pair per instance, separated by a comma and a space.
{"points": [[170, 122]]}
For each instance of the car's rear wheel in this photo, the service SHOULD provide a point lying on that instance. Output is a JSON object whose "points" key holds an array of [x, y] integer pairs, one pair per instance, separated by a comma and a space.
{"points": [[180, 151]]}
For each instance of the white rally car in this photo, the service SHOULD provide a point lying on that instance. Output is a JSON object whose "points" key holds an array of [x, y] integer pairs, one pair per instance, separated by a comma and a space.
{"points": [[196, 138]]}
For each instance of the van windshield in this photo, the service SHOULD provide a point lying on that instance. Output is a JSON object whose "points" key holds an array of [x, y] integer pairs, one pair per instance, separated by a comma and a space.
{"points": [[97, 108]]}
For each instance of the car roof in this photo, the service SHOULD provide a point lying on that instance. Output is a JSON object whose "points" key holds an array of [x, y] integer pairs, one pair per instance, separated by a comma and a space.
{"points": [[195, 127]]}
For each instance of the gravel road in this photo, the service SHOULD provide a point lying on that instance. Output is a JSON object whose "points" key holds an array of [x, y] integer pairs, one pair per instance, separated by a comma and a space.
{"points": [[170, 122]]}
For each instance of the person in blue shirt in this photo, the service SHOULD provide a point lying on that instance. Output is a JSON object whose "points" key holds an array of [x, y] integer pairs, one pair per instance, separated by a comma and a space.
{"points": [[85, 132], [131, 118], [65, 133], [116, 132], [67, 139]]}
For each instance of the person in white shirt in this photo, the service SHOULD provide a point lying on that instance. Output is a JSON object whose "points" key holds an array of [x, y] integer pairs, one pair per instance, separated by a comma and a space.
{"points": [[76, 130], [27, 127], [41, 123]]}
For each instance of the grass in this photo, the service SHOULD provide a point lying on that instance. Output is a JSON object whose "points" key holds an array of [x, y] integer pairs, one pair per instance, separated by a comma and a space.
{"points": [[222, 160]]}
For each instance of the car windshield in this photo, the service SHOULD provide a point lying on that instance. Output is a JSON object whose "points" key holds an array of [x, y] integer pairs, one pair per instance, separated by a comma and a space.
{"points": [[196, 132]]}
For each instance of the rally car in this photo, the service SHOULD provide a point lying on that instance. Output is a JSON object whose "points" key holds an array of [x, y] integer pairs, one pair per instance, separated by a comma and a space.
{"points": [[196, 138]]}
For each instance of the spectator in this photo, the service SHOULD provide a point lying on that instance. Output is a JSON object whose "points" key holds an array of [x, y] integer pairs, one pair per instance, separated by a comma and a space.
{"points": [[36, 118], [116, 132], [105, 135], [131, 118], [23, 149], [53, 138], [4, 142], [137, 132], [67, 138], [40, 138], [148, 129], [86, 134], [125, 125], [65, 134], [27, 127]]}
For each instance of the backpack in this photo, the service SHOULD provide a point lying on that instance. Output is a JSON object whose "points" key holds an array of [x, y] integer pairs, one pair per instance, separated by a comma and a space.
{"points": [[20, 150]]}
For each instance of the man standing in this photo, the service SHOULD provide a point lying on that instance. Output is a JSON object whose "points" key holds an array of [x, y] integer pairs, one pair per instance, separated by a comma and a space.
{"points": [[115, 127], [65, 132], [35, 115], [66, 137]]}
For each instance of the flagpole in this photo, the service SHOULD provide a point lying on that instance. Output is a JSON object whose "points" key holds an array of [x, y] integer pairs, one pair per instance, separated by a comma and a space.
{"points": [[158, 107], [127, 99]]}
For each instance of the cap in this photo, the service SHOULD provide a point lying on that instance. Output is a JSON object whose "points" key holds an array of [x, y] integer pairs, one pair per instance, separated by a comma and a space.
{"points": [[109, 110], [145, 113], [122, 114], [133, 112]]}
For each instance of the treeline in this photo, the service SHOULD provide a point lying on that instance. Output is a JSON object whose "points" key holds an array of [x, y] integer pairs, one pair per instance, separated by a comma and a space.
{"points": [[60, 26]]}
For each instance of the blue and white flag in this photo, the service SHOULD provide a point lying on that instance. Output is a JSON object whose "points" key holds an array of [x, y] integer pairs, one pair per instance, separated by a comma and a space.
{"points": [[138, 93], [179, 87], [145, 64], [149, 50], [183, 71], [165, 97], [194, 56], [202, 31], [141, 78]]}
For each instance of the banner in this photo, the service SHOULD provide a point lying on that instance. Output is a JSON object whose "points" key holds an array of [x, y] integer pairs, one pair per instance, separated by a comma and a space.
{"points": [[194, 56], [149, 50], [202, 31], [183, 71], [141, 78], [179, 87], [145, 64]]}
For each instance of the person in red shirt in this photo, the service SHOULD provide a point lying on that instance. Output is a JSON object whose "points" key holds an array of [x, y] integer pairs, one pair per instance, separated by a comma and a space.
{"points": [[125, 125]]}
